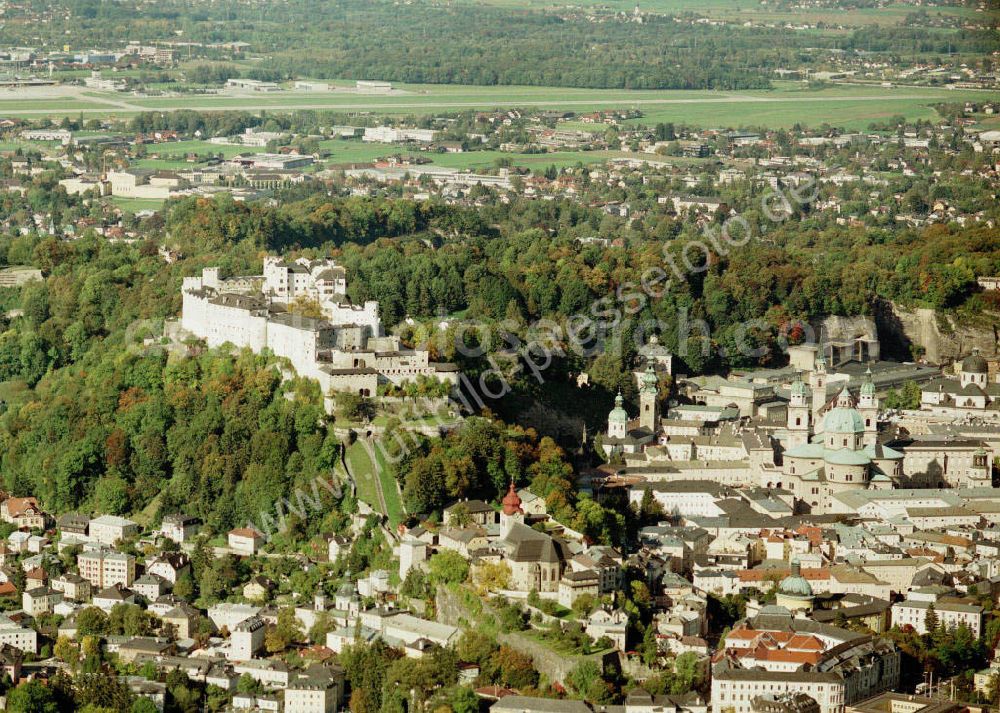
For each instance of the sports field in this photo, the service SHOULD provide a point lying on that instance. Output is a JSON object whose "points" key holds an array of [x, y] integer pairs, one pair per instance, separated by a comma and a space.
{"points": [[851, 106]]}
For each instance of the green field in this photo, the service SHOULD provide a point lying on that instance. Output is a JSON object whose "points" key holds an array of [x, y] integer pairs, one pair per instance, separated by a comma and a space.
{"points": [[361, 468], [846, 105], [846, 114], [172, 156], [393, 504], [365, 472], [134, 205]]}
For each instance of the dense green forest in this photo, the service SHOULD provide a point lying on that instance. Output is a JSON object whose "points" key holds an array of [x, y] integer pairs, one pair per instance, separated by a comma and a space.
{"points": [[423, 42]]}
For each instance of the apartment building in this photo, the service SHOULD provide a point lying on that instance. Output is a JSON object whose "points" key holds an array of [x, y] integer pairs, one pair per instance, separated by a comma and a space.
{"points": [[949, 614], [109, 529], [105, 568]]}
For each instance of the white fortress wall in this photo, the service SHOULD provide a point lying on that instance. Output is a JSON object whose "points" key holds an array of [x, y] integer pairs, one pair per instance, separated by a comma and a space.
{"points": [[367, 316]]}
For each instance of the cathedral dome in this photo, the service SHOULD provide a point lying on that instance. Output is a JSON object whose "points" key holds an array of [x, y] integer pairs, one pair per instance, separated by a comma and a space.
{"points": [[843, 420], [975, 364], [795, 584]]}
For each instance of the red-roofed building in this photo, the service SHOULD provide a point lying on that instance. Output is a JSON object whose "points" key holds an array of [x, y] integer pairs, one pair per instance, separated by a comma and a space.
{"points": [[22, 512]]}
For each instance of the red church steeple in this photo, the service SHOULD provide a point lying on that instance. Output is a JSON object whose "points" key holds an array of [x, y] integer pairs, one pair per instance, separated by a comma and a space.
{"points": [[511, 502]]}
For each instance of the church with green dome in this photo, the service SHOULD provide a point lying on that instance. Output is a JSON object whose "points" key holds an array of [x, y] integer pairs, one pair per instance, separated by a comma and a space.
{"points": [[627, 435], [841, 454], [794, 592]]}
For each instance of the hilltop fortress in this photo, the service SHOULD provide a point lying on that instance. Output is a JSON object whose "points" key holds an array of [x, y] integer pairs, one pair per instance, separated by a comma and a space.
{"points": [[345, 350]]}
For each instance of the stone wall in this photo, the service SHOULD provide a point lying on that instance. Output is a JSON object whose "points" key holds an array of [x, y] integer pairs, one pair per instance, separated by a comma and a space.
{"points": [[552, 665]]}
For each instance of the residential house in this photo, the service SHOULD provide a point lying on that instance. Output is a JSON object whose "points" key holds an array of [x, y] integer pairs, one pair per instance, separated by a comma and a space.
{"points": [[130, 650], [150, 587], [609, 623], [405, 628], [144, 688], [74, 526], [466, 513], [575, 584], [11, 659], [184, 618], [179, 528], [258, 588], [35, 577], [18, 635], [23, 513], [72, 586], [226, 615], [40, 600], [337, 546], [107, 598], [949, 614], [170, 566], [245, 541], [318, 689]]}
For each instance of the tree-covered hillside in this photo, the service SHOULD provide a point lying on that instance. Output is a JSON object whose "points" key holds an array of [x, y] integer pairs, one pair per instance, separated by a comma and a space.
{"points": [[97, 413]]}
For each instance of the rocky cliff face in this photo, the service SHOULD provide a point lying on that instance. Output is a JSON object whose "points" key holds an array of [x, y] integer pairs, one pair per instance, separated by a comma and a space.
{"points": [[905, 332]]}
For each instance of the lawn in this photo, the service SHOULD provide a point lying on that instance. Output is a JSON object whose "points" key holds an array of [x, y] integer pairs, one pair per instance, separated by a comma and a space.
{"points": [[486, 159], [810, 112], [182, 148], [134, 205], [361, 468], [13, 102], [386, 476], [561, 645], [172, 156], [343, 151], [168, 163], [365, 472]]}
